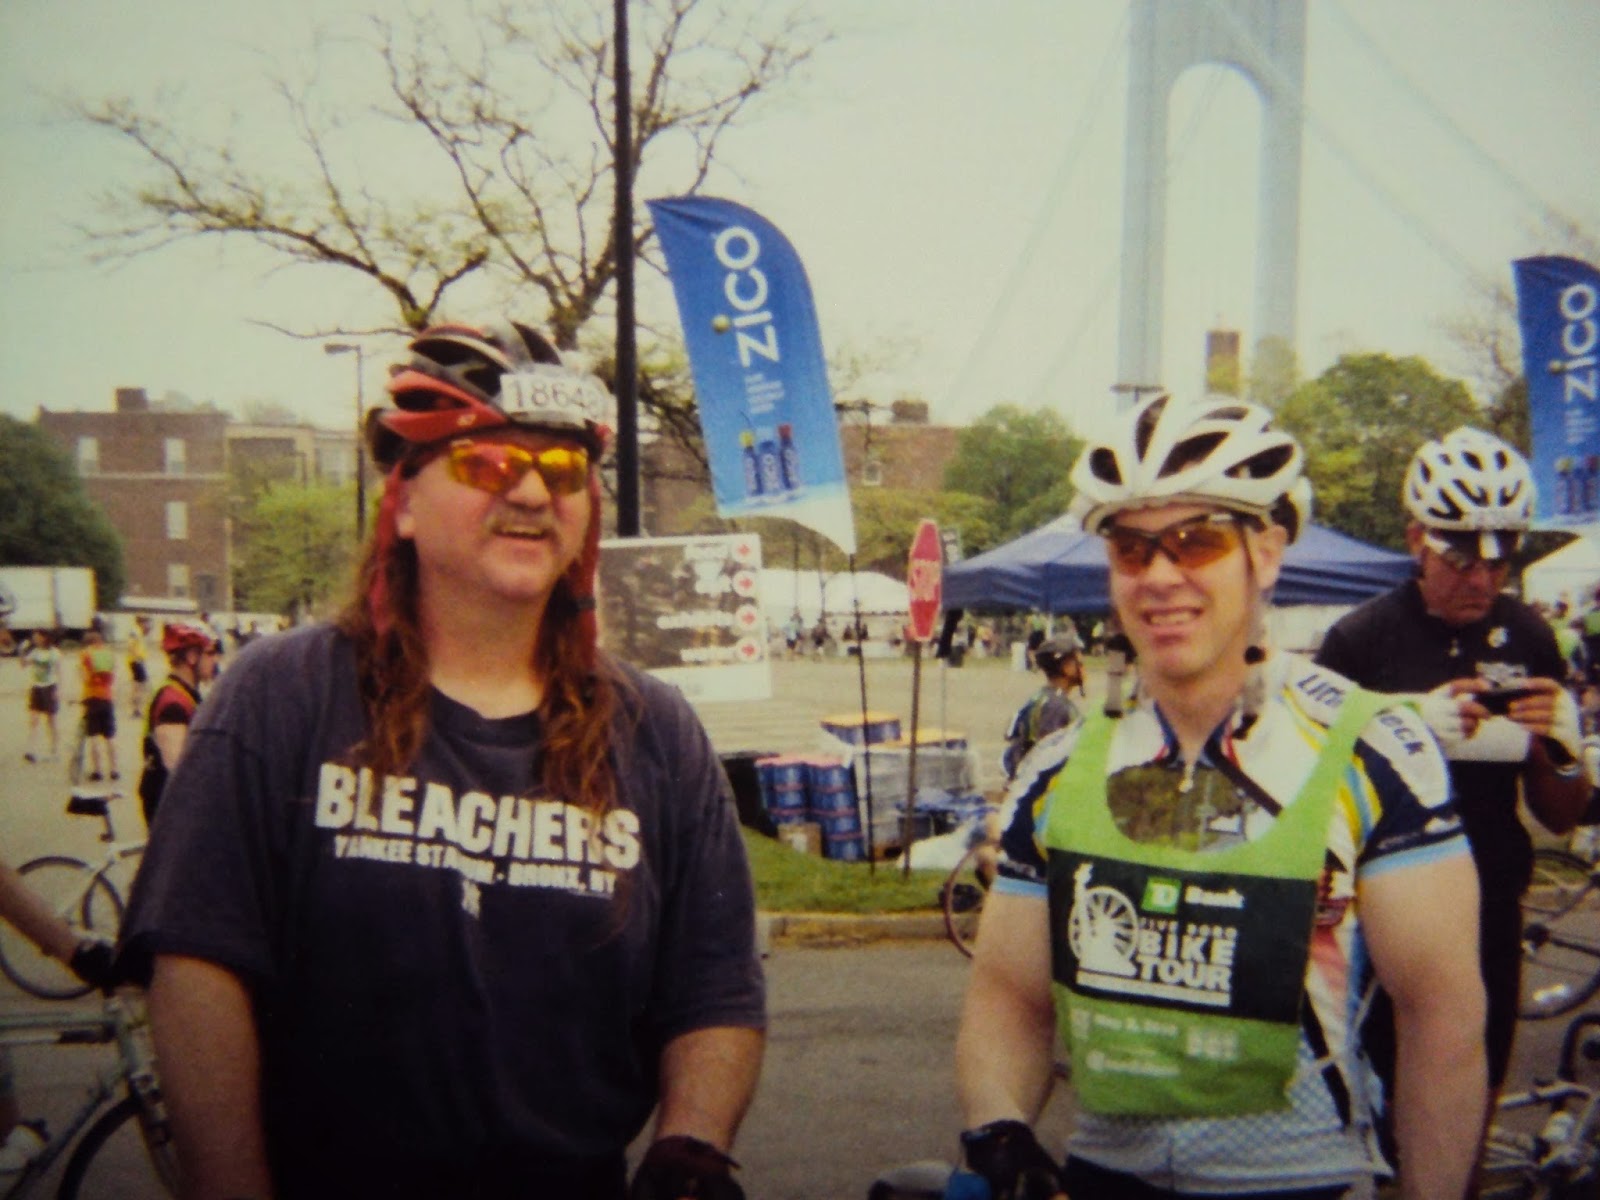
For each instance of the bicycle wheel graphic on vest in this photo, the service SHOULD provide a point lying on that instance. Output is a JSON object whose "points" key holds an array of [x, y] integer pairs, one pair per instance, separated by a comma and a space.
{"points": [[1102, 928]]}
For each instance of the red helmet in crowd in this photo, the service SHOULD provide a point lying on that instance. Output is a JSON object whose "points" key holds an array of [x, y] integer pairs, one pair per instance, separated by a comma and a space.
{"points": [[177, 637]]}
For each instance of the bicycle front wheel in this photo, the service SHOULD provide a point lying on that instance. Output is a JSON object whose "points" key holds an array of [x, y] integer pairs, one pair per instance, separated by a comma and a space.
{"points": [[84, 899], [1560, 954], [962, 900], [115, 1160]]}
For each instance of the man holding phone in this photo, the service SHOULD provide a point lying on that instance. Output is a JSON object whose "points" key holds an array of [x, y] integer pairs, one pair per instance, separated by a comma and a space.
{"points": [[1489, 670]]}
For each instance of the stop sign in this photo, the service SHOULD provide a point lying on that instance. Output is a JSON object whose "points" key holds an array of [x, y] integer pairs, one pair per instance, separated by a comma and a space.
{"points": [[925, 580]]}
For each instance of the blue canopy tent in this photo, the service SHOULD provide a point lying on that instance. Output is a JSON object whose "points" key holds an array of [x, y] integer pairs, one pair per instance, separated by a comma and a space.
{"points": [[1060, 569]]}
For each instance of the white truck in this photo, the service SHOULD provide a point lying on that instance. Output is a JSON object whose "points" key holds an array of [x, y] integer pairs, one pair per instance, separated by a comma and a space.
{"points": [[60, 599]]}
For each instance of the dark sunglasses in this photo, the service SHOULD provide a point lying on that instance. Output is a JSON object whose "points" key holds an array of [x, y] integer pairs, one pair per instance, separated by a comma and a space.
{"points": [[1459, 552], [1190, 543], [497, 467]]}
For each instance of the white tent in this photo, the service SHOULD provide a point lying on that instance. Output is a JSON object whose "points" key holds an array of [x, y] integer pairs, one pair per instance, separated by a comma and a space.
{"points": [[784, 590], [1570, 573], [876, 592]]}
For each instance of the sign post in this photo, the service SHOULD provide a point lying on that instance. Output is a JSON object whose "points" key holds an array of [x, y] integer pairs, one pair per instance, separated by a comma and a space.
{"points": [[925, 581]]}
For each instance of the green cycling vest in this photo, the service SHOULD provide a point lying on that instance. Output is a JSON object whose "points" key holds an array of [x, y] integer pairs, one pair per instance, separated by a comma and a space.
{"points": [[1178, 975]]}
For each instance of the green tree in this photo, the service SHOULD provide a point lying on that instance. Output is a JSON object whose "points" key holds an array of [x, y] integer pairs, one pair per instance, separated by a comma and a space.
{"points": [[295, 548], [1359, 422], [47, 518], [1019, 462]]}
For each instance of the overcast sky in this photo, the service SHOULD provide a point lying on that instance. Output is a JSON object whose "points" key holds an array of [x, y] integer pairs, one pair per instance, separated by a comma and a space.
{"points": [[950, 172]]}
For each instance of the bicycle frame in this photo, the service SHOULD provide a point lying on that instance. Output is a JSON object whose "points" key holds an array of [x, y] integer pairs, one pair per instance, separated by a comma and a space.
{"points": [[134, 1069]]}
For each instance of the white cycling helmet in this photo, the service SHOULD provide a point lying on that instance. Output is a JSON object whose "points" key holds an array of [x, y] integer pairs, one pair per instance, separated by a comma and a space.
{"points": [[1221, 451], [1470, 481]]}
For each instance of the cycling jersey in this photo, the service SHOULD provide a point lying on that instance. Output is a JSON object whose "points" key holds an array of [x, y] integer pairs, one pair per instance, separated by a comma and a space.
{"points": [[1393, 644], [173, 704], [1046, 711], [1391, 812], [460, 969]]}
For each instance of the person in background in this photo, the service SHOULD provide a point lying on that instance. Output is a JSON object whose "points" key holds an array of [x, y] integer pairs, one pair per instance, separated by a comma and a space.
{"points": [[1050, 708], [1195, 883], [1490, 678], [98, 666], [192, 656], [43, 661], [87, 957], [442, 900], [138, 671]]}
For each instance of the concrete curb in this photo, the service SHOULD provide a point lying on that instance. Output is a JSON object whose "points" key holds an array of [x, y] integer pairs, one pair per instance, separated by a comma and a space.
{"points": [[844, 929]]}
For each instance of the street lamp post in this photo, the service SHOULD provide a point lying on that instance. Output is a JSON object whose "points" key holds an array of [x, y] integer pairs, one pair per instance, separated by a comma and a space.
{"points": [[361, 406]]}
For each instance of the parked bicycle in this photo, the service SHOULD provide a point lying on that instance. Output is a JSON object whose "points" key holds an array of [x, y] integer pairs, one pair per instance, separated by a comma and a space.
{"points": [[1544, 1143], [1560, 935], [125, 1148], [84, 894]]}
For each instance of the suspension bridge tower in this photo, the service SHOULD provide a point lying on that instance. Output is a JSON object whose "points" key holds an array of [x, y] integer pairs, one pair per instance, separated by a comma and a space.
{"points": [[1265, 41]]}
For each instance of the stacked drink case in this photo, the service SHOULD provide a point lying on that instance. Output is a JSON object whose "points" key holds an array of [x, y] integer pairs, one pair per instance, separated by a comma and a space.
{"points": [[771, 462]]}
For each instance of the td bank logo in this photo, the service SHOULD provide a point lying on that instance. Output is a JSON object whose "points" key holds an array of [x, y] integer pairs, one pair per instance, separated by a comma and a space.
{"points": [[1161, 895]]}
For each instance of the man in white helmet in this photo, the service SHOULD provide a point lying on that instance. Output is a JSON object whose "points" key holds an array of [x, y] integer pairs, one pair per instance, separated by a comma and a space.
{"points": [[1491, 673], [1191, 891]]}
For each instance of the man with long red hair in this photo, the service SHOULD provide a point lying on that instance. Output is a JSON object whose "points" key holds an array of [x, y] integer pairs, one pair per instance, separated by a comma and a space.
{"points": [[442, 900]]}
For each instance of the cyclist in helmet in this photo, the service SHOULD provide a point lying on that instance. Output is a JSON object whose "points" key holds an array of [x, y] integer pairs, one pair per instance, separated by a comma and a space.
{"points": [[1191, 891], [1453, 634], [444, 900], [1051, 707], [192, 655]]}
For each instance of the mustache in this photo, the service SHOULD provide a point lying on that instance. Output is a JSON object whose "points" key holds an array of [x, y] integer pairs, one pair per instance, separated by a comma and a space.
{"points": [[515, 524]]}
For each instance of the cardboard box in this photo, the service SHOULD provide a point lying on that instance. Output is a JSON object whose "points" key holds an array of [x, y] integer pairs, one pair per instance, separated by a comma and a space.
{"points": [[804, 836]]}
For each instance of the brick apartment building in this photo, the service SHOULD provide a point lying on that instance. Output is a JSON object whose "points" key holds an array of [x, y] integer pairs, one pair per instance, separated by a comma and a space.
{"points": [[161, 475]]}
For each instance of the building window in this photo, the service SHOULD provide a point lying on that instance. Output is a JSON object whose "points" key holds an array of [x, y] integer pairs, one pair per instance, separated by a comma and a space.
{"points": [[88, 456], [178, 580], [177, 520], [177, 457], [872, 473]]}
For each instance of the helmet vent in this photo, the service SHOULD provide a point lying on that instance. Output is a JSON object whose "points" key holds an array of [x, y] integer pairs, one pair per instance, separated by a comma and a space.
{"points": [[1103, 463], [1145, 429], [1190, 451], [1266, 464]]}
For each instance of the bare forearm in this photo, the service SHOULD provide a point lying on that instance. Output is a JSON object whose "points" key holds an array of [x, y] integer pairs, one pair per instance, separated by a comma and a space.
{"points": [[1004, 1056], [1005, 1049], [708, 1077], [29, 912], [210, 1063], [1441, 1094], [1556, 797]]}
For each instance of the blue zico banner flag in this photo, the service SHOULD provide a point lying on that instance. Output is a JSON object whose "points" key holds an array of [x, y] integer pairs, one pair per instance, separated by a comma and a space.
{"points": [[1557, 302], [766, 410]]}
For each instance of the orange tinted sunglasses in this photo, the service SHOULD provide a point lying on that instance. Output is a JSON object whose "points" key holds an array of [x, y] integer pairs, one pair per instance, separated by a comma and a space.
{"points": [[497, 467], [1191, 543]]}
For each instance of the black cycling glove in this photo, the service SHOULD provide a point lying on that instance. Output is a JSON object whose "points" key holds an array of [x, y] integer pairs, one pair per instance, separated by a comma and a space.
{"points": [[91, 962], [1010, 1158], [680, 1166]]}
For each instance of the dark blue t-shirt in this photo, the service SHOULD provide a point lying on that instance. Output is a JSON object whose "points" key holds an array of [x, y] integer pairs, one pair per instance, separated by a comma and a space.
{"points": [[459, 968]]}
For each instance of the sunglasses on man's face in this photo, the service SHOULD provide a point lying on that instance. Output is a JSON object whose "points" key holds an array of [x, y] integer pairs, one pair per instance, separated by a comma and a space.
{"points": [[497, 467], [1190, 543], [1461, 554]]}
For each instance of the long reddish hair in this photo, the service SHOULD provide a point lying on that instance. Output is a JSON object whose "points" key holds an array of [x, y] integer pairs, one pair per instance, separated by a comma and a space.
{"points": [[580, 681]]}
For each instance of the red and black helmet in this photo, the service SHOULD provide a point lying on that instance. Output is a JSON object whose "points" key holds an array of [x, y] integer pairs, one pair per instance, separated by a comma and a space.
{"points": [[178, 636], [457, 379]]}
